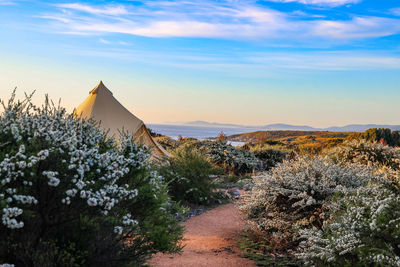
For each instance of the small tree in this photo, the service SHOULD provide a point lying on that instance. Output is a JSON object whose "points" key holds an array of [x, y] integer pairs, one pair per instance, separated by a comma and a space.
{"points": [[180, 138], [221, 137]]}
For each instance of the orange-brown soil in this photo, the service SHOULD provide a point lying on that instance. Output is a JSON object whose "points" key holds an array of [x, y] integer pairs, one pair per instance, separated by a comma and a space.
{"points": [[210, 240]]}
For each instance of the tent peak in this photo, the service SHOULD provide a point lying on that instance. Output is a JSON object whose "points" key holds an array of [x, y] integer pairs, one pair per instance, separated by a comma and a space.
{"points": [[100, 88]]}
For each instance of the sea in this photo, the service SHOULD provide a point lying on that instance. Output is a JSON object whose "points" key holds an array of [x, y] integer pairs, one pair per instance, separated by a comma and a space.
{"points": [[198, 132]]}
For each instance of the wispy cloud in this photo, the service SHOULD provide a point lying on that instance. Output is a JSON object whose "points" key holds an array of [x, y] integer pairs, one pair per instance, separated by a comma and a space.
{"points": [[395, 11], [96, 10], [330, 60], [7, 3], [212, 19], [358, 27], [103, 41], [320, 2], [255, 64], [113, 42]]}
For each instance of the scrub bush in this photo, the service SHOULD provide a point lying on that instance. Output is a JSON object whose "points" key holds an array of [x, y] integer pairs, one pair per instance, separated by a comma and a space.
{"points": [[188, 175], [374, 135], [233, 160], [366, 153], [365, 231], [167, 142], [295, 195], [268, 155], [70, 196], [383, 159]]}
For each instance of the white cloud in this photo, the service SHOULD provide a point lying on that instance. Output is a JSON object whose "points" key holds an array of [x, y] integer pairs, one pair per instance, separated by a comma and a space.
{"points": [[55, 18], [395, 11], [320, 2], [103, 41], [210, 19], [7, 3], [329, 60], [358, 27], [101, 10], [258, 64]]}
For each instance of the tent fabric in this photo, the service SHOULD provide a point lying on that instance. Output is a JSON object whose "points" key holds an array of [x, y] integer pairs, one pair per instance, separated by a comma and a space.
{"points": [[102, 106]]}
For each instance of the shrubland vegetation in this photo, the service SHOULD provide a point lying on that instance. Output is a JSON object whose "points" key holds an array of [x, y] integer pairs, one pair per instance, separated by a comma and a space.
{"points": [[364, 230], [289, 138], [268, 155], [188, 175], [314, 142], [336, 208], [153, 133], [319, 198], [294, 194], [384, 136], [231, 159], [70, 196]]}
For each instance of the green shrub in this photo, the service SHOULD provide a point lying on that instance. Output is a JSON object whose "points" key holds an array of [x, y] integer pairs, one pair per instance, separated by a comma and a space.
{"points": [[268, 155], [233, 160], [167, 142], [153, 133], [188, 175], [69, 196], [374, 135]]}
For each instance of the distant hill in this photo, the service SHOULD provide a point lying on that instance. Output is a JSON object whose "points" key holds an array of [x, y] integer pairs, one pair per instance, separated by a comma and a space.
{"points": [[285, 127], [214, 124], [289, 127]]}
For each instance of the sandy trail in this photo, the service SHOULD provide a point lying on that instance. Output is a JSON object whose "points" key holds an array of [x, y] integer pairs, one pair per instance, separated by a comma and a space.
{"points": [[211, 240]]}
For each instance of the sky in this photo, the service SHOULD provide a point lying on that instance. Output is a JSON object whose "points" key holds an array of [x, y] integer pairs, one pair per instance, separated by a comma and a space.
{"points": [[304, 62]]}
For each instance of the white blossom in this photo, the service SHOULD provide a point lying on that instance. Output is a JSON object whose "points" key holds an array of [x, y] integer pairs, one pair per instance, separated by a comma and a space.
{"points": [[76, 143], [118, 230], [92, 202]]}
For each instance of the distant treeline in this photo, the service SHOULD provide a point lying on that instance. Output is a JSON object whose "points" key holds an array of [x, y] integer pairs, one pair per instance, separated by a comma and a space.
{"points": [[382, 135], [284, 135]]}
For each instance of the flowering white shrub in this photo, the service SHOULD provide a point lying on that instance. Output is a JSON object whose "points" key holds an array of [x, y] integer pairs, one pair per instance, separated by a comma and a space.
{"points": [[91, 174], [385, 160], [59, 174], [228, 157], [294, 195], [366, 153], [365, 231]]}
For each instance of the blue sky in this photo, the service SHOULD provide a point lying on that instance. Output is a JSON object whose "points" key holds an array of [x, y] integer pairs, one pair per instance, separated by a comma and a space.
{"points": [[314, 62]]}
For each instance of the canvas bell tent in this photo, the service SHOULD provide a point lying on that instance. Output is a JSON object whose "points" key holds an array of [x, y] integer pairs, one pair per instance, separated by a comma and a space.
{"points": [[102, 106]]}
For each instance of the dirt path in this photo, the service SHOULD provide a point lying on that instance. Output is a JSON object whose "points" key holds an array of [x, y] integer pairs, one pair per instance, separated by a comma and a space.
{"points": [[211, 240]]}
